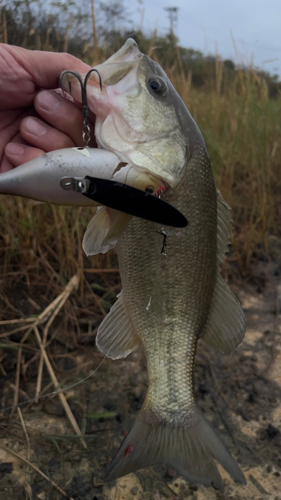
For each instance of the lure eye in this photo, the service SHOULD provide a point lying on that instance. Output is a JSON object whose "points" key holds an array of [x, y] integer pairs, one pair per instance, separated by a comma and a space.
{"points": [[157, 86]]}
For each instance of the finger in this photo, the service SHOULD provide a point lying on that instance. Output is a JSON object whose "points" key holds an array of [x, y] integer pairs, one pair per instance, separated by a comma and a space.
{"points": [[63, 115], [17, 153], [10, 124], [44, 136], [44, 68], [6, 163]]}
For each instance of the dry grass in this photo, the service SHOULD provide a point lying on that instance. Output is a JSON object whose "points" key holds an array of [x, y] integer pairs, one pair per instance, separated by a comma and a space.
{"points": [[242, 130]]}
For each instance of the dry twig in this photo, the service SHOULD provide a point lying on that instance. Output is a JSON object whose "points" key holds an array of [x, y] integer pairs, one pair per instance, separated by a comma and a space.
{"points": [[27, 486], [5, 448], [49, 314], [274, 349], [57, 305], [226, 400], [173, 493], [60, 394]]}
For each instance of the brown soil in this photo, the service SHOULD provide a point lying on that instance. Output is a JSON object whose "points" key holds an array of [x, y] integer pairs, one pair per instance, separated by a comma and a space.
{"points": [[240, 395]]}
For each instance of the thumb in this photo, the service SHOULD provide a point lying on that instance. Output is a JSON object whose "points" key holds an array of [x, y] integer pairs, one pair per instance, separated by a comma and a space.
{"points": [[27, 71], [46, 67]]}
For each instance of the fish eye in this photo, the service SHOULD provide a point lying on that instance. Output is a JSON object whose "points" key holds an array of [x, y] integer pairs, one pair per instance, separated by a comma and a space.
{"points": [[157, 86]]}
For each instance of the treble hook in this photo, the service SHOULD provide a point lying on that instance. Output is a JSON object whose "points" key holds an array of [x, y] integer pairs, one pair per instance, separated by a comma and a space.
{"points": [[85, 108]]}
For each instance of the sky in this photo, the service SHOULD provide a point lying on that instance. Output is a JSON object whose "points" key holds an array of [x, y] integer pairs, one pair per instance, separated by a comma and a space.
{"points": [[246, 31]]}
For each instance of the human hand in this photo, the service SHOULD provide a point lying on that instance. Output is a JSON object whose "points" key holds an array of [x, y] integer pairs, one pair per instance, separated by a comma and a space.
{"points": [[34, 121]]}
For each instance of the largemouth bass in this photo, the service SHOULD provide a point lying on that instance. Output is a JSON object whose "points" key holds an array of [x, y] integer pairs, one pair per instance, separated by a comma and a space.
{"points": [[166, 303]]}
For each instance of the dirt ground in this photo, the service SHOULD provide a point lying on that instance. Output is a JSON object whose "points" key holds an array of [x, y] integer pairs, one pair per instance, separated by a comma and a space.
{"points": [[240, 395]]}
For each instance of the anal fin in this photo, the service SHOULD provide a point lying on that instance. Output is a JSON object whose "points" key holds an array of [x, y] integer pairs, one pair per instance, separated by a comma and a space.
{"points": [[116, 335], [225, 326]]}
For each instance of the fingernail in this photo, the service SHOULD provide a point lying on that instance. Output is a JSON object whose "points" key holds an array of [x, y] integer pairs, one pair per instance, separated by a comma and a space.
{"points": [[48, 100], [35, 127], [15, 149]]}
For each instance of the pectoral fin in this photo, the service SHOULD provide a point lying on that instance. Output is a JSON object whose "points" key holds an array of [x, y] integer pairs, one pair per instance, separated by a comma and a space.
{"points": [[104, 230], [116, 336]]}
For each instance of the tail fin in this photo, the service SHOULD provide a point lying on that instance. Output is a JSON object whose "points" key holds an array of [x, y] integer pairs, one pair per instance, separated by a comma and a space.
{"points": [[189, 450]]}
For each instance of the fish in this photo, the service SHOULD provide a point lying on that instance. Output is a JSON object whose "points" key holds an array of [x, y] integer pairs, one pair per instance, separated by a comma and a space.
{"points": [[173, 293]]}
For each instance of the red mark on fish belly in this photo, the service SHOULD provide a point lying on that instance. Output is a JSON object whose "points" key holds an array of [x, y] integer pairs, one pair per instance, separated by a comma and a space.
{"points": [[128, 450]]}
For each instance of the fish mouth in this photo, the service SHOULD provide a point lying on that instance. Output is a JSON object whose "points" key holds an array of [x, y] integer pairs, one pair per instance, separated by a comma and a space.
{"points": [[106, 74]]}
